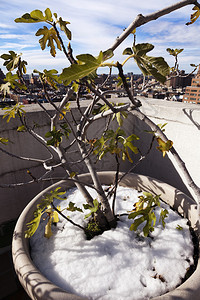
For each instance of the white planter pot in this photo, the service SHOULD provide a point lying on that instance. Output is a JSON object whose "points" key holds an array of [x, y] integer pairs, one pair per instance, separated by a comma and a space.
{"points": [[39, 287]]}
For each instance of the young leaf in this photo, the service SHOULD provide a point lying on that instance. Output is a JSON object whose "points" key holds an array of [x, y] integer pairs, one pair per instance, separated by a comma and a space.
{"points": [[93, 209], [49, 76], [50, 36], [56, 137], [174, 52], [55, 215], [11, 112], [11, 60], [35, 16], [107, 54], [21, 128], [178, 227], [48, 15], [128, 51], [48, 232], [5, 88], [144, 212], [146, 216], [3, 141], [63, 27], [13, 82], [164, 146], [33, 225], [194, 16], [44, 206], [164, 214], [72, 207], [26, 18]]}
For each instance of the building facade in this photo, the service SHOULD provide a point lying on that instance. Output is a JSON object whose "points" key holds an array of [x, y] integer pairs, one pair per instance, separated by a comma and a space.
{"points": [[192, 93]]}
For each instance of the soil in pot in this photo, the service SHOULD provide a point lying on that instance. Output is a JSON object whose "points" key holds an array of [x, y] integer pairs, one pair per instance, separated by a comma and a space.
{"points": [[119, 264]]}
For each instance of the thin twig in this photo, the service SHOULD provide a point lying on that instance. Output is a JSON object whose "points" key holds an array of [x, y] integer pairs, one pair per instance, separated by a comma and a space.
{"points": [[66, 218]]}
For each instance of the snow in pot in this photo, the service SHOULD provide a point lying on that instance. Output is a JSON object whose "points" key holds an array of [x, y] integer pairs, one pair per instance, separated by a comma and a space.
{"points": [[120, 263]]}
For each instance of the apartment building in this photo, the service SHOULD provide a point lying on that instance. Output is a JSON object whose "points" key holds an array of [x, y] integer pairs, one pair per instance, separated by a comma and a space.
{"points": [[192, 93]]}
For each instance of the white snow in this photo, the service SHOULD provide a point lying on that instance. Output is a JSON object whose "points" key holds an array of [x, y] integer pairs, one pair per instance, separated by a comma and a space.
{"points": [[119, 264]]}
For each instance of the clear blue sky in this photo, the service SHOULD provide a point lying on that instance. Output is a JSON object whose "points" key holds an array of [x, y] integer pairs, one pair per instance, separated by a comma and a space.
{"points": [[95, 25]]}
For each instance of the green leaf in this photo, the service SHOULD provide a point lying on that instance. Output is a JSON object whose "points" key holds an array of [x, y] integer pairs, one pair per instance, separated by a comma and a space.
{"points": [[128, 51], [148, 227], [178, 227], [174, 52], [137, 222], [87, 64], [50, 36], [35, 16], [93, 209], [119, 119], [65, 129], [161, 126], [55, 215], [164, 214], [49, 76], [164, 146], [21, 128], [26, 18], [11, 60], [63, 27], [155, 66], [193, 65], [11, 112], [56, 137], [12, 81], [144, 212], [44, 206], [107, 54], [72, 207], [55, 194], [3, 141], [33, 225], [194, 16], [72, 174], [5, 88], [142, 49], [48, 232], [48, 15], [131, 147]]}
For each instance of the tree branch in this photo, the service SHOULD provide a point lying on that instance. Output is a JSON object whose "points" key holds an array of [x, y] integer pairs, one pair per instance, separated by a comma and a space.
{"points": [[194, 189], [141, 20]]}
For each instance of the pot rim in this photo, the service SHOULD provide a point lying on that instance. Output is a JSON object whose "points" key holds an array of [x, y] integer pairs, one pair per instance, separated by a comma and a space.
{"points": [[39, 287]]}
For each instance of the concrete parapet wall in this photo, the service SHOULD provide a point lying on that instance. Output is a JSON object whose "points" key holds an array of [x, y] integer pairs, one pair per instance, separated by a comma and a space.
{"points": [[13, 170], [183, 128], [183, 124]]}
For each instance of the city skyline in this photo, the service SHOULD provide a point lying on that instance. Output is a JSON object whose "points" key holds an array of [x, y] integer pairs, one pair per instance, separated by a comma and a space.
{"points": [[95, 27]]}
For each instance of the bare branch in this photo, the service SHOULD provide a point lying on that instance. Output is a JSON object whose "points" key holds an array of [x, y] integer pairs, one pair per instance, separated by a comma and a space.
{"points": [[24, 158], [141, 20], [195, 190], [121, 74]]}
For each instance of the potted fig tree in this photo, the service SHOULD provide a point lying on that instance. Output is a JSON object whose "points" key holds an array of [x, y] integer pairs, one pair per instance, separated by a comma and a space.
{"points": [[103, 213]]}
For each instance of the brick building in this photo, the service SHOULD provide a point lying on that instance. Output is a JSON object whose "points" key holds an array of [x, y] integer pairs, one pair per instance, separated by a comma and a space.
{"points": [[192, 93], [179, 81]]}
